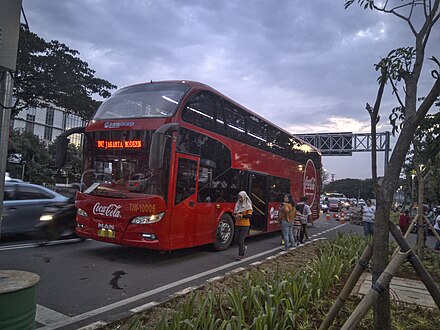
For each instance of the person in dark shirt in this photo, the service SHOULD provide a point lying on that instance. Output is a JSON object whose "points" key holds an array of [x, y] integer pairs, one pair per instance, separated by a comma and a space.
{"points": [[404, 221]]}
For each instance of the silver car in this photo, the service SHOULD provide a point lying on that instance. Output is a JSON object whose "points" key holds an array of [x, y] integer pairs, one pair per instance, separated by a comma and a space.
{"points": [[23, 205]]}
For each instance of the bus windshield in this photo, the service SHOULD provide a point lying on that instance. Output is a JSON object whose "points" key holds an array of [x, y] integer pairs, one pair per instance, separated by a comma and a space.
{"points": [[143, 101], [118, 162]]}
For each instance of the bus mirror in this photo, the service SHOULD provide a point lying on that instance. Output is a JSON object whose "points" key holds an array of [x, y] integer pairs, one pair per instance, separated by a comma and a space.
{"points": [[158, 141], [62, 143], [60, 155]]}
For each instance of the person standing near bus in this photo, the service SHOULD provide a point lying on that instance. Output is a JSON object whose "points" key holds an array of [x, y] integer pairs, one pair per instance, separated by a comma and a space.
{"points": [[297, 227], [242, 214], [437, 229], [368, 218], [287, 216], [404, 221], [306, 214]]}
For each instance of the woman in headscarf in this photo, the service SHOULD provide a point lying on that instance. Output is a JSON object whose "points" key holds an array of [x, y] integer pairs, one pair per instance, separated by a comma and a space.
{"points": [[242, 215]]}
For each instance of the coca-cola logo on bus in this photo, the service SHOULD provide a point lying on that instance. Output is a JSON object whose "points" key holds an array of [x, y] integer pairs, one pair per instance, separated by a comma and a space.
{"points": [[111, 210], [310, 182]]}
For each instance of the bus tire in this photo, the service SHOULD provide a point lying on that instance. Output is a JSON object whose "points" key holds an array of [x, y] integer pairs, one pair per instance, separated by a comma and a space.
{"points": [[224, 233]]}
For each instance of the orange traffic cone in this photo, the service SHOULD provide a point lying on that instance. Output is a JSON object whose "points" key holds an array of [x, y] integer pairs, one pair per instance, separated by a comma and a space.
{"points": [[342, 217], [327, 216]]}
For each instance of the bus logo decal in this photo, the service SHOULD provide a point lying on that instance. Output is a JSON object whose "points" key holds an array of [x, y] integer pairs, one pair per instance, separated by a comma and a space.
{"points": [[106, 226], [111, 210], [109, 124], [309, 182]]}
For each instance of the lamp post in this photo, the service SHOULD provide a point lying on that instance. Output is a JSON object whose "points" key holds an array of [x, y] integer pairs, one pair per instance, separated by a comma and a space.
{"points": [[400, 195], [23, 165], [412, 192]]}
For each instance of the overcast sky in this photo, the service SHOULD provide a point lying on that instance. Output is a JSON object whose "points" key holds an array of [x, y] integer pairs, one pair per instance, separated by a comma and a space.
{"points": [[307, 66]]}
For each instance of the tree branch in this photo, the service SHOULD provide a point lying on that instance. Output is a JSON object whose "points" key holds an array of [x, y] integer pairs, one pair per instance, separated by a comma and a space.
{"points": [[396, 91], [424, 8], [432, 96], [435, 19], [394, 12]]}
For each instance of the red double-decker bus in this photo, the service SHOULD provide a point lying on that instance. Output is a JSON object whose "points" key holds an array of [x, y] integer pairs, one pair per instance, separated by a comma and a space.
{"points": [[164, 162]]}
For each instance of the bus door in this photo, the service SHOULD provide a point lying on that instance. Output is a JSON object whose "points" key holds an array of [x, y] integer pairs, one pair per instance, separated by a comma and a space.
{"points": [[258, 195], [184, 201]]}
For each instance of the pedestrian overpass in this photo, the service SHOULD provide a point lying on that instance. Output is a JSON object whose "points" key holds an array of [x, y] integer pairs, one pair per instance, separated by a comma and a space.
{"points": [[344, 144]]}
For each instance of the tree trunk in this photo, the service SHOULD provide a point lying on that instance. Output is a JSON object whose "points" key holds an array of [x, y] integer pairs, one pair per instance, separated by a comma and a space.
{"points": [[385, 193], [382, 314]]}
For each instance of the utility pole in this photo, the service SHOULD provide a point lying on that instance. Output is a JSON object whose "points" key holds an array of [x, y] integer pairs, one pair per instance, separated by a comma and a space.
{"points": [[9, 31]]}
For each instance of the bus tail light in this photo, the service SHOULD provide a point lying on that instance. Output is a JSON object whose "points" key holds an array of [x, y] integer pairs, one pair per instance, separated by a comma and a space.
{"points": [[147, 219]]}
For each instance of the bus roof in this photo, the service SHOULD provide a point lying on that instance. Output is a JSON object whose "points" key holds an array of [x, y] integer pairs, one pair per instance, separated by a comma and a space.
{"points": [[198, 86]]}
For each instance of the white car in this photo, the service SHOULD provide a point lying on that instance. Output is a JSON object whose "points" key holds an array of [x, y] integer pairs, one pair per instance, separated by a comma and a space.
{"points": [[137, 182]]}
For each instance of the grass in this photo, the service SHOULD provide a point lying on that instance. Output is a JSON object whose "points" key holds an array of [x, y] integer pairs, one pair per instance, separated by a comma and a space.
{"points": [[285, 293]]}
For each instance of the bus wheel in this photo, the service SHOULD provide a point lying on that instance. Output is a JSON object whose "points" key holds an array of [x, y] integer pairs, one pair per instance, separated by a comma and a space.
{"points": [[224, 234]]}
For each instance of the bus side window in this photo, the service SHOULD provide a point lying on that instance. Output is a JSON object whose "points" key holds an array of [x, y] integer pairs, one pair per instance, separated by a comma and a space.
{"points": [[186, 179], [201, 111]]}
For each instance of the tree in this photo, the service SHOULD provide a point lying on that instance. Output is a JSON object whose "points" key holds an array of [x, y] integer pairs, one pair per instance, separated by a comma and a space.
{"points": [[352, 188], [426, 147], [51, 74], [433, 182], [402, 70], [35, 162]]}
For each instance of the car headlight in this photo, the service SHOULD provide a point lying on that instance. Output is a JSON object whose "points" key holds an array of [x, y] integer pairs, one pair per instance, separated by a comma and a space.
{"points": [[46, 217], [82, 213], [147, 219]]}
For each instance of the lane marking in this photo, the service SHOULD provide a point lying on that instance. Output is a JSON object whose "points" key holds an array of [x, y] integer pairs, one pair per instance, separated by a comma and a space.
{"points": [[47, 316], [147, 294], [19, 246], [32, 245]]}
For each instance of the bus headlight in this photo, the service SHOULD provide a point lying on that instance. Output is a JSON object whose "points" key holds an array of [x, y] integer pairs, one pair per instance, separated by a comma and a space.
{"points": [[147, 219], [82, 213]]}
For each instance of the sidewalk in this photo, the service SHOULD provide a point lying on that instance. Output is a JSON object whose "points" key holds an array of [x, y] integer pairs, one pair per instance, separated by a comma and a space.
{"points": [[401, 289]]}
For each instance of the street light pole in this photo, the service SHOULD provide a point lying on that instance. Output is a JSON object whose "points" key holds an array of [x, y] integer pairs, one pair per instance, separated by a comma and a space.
{"points": [[412, 192], [400, 195], [23, 165]]}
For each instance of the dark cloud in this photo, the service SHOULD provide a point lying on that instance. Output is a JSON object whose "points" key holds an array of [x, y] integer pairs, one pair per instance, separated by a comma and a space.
{"points": [[307, 66]]}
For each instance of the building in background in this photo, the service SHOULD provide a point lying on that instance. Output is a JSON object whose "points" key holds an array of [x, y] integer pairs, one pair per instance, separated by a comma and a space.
{"points": [[48, 123]]}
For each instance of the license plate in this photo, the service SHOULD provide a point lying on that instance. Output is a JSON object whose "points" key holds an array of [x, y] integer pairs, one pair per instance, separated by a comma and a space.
{"points": [[106, 233]]}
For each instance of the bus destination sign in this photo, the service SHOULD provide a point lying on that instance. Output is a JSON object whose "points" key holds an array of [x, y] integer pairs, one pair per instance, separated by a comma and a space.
{"points": [[119, 144]]}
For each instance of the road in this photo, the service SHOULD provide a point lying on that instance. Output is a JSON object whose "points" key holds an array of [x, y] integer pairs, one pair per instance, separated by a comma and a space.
{"points": [[87, 282]]}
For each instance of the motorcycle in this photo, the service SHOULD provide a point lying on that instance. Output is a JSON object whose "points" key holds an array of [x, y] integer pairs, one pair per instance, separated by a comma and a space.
{"points": [[57, 222]]}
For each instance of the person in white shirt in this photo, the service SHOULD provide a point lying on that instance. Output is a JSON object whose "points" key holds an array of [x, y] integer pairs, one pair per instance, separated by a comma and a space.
{"points": [[306, 217], [437, 229], [368, 218]]}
